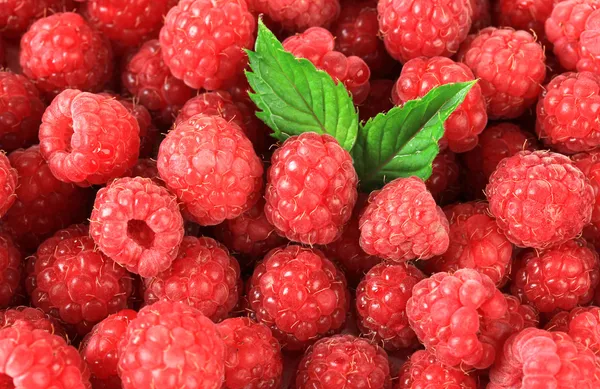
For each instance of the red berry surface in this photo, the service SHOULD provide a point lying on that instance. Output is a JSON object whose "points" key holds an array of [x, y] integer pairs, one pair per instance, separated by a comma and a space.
{"points": [[10, 270], [379, 99], [8, 184], [17, 15], [298, 15], [444, 182], [32, 319], [149, 134], [145, 168], [528, 15], [581, 323], [423, 370], [482, 15]]}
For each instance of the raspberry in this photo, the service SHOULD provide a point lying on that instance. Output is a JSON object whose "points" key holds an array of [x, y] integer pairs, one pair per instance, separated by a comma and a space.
{"points": [[381, 304], [412, 28], [171, 345], [539, 198], [73, 281], [203, 275], [17, 15], [346, 250], [36, 359], [443, 184], [99, 349], [127, 24], [32, 319], [562, 122], [423, 370], [402, 222], [581, 323], [8, 184], [482, 16], [149, 134], [43, 204], [297, 15], [10, 270], [21, 109], [317, 45], [344, 361], [560, 277], [299, 294], [145, 168], [446, 311], [252, 355], [137, 223], [311, 189], [356, 31], [528, 15], [510, 66], [75, 148], [203, 41], [420, 75], [147, 78], [535, 358], [497, 142], [250, 234], [378, 100], [211, 166], [475, 243], [62, 51], [572, 28], [589, 164]]}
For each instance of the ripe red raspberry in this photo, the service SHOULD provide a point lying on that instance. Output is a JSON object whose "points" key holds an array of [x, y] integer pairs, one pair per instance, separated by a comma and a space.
{"points": [[32, 319], [528, 15], [482, 15], [423, 370], [402, 222], [535, 358], [413, 29], [252, 355], [589, 164], [171, 345], [10, 270], [37, 359], [379, 99], [344, 360], [299, 294], [346, 250], [203, 41], [297, 15], [8, 184], [73, 281], [62, 51], [203, 275], [43, 204], [211, 166], [137, 223], [564, 124], [444, 184], [317, 45], [420, 75], [475, 243], [560, 277], [510, 66], [581, 323], [17, 15], [572, 28], [250, 234], [21, 109], [130, 23], [99, 349], [381, 304], [311, 189], [447, 311], [147, 78], [497, 142], [75, 148], [539, 198]]}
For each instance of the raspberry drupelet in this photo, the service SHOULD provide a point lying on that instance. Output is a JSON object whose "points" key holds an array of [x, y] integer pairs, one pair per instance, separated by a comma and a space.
{"points": [[204, 275], [72, 280], [381, 299], [81, 56], [403, 222], [311, 189], [560, 277], [423, 370], [203, 41], [32, 319], [299, 294], [482, 15], [444, 182], [589, 164], [298, 15], [581, 323], [539, 198], [252, 355], [527, 15], [344, 360], [317, 45], [17, 15], [145, 168], [171, 345], [420, 75], [510, 66], [212, 167], [379, 99], [11, 269], [137, 223], [8, 184]]}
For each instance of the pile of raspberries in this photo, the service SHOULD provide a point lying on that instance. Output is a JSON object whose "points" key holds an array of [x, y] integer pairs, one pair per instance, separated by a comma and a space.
{"points": [[153, 235]]}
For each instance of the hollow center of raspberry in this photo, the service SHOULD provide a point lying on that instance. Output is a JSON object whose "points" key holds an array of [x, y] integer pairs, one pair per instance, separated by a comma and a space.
{"points": [[6, 382], [139, 231]]}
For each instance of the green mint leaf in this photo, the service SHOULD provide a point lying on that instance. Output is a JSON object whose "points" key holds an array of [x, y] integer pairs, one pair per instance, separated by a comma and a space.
{"points": [[404, 141], [294, 97]]}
